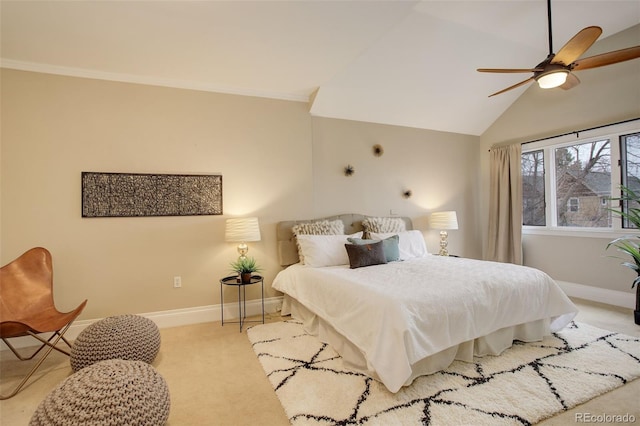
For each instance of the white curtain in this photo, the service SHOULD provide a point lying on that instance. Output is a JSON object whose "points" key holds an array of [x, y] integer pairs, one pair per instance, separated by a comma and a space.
{"points": [[504, 242]]}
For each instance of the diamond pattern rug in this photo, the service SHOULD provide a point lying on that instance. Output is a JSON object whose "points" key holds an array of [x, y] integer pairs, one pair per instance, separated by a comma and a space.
{"points": [[524, 385]]}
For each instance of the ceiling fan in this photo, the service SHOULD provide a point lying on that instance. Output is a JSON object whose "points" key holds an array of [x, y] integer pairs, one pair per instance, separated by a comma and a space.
{"points": [[557, 68]]}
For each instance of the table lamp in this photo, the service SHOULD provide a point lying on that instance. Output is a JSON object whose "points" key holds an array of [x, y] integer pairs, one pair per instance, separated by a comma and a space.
{"points": [[242, 230], [444, 221]]}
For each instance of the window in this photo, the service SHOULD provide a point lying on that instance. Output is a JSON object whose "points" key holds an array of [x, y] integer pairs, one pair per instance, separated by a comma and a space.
{"points": [[630, 167], [573, 205], [568, 182], [533, 188], [583, 175]]}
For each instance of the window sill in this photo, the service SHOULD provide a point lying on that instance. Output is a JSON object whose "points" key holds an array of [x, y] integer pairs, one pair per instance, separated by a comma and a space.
{"points": [[579, 232]]}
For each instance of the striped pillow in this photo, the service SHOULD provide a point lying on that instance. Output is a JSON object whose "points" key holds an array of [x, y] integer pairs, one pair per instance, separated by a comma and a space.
{"points": [[384, 224]]}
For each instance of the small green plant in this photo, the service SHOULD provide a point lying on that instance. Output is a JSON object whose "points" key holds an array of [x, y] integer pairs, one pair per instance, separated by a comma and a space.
{"points": [[245, 265]]}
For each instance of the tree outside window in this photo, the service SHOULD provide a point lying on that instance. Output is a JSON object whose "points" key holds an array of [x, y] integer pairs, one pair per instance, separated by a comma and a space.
{"points": [[583, 177], [533, 213], [569, 183], [630, 164]]}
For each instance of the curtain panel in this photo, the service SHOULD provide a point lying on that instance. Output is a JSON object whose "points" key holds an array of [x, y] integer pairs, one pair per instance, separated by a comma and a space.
{"points": [[504, 242]]}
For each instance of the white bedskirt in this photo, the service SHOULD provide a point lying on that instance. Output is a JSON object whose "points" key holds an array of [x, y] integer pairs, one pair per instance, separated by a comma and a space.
{"points": [[492, 344], [400, 315]]}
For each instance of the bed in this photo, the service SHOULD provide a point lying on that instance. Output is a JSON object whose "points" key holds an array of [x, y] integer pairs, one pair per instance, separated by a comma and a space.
{"points": [[415, 314]]}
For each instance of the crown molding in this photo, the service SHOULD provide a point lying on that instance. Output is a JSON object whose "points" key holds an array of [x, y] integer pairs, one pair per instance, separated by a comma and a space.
{"points": [[146, 80]]}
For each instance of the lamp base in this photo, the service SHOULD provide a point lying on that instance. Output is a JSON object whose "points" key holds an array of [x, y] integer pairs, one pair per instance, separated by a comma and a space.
{"points": [[243, 249], [443, 244]]}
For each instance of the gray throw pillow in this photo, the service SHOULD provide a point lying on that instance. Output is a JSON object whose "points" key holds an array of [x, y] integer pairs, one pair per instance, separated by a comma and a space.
{"points": [[365, 254]]}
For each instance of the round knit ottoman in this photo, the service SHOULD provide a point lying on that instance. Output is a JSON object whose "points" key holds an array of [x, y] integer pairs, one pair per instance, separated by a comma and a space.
{"points": [[129, 337], [112, 392]]}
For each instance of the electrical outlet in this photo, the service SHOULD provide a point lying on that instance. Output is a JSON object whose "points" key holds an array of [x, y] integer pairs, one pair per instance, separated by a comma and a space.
{"points": [[177, 282]]}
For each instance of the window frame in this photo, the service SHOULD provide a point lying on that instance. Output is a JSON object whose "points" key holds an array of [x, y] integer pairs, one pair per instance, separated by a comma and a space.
{"points": [[548, 146]]}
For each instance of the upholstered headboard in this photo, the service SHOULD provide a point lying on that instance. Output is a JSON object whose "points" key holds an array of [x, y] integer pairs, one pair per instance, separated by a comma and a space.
{"points": [[287, 250]]}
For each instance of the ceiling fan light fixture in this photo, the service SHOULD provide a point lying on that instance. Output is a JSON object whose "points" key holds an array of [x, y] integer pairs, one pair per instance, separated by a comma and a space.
{"points": [[552, 79]]}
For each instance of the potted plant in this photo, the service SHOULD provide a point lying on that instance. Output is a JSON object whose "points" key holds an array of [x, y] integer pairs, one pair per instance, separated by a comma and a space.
{"points": [[244, 267], [630, 244]]}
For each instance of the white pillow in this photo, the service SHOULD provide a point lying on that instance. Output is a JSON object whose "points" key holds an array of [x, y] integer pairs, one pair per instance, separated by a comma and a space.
{"points": [[321, 227], [410, 245], [325, 250]]}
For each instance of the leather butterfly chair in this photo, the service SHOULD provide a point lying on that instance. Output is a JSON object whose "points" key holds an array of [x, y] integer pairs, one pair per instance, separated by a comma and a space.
{"points": [[27, 308]]}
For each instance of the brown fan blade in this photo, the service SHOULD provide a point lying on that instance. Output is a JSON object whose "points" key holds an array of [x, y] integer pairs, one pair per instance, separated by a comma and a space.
{"points": [[572, 81], [513, 87], [510, 70], [577, 45], [607, 58]]}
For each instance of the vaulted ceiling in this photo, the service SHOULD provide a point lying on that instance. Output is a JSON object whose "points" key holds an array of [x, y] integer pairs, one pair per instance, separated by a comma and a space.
{"points": [[407, 63]]}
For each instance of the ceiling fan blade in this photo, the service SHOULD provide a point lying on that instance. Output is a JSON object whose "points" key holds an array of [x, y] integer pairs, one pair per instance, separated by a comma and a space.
{"points": [[513, 87], [607, 58], [577, 45], [510, 70], [572, 81]]}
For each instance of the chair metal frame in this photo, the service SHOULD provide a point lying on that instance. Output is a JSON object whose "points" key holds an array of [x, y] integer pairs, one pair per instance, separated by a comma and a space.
{"points": [[27, 308]]}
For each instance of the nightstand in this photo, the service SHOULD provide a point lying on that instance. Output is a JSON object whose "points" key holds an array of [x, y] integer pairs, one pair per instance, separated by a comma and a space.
{"points": [[242, 297]]}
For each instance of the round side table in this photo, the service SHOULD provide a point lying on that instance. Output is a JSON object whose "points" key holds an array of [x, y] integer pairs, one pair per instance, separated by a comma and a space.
{"points": [[242, 297]]}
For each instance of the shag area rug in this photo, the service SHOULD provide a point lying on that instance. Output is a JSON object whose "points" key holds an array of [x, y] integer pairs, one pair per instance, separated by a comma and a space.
{"points": [[524, 385]]}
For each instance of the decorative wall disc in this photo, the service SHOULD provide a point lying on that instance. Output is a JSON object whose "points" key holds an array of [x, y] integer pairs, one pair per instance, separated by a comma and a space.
{"points": [[349, 170]]}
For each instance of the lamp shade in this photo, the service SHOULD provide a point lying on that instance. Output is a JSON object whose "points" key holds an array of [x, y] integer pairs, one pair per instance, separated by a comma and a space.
{"points": [[242, 229], [444, 220]]}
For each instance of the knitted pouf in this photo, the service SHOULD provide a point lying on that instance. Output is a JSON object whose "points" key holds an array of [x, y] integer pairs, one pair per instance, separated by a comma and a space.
{"points": [[129, 337], [112, 392]]}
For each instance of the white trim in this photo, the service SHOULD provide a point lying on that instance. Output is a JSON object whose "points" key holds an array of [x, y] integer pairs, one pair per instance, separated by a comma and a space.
{"points": [[211, 313], [147, 80], [173, 318], [608, 233], [610, 133], [598, 294]]}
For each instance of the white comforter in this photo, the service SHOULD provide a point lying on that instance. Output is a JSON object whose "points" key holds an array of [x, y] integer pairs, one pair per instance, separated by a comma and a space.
{"points": [[402, 312]]}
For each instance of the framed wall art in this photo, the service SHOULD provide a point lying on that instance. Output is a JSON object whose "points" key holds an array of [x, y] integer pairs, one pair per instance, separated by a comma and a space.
{"points": [[141, 194]]}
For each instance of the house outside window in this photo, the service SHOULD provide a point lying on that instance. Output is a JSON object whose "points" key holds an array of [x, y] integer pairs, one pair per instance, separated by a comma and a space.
{"points": [[568, 182], [583, 176]]}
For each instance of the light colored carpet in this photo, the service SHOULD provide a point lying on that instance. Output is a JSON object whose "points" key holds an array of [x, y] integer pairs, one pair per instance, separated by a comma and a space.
{"points": [[525, 384], [215, 378]]}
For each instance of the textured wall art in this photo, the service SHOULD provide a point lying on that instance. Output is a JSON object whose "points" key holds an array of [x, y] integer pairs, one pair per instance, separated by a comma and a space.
{"points": [[138, 194]]}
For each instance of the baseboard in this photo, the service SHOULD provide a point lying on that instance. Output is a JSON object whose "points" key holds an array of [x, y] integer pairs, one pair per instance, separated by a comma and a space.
{"points": [[598, 294], [173, 318], [211, 313]]}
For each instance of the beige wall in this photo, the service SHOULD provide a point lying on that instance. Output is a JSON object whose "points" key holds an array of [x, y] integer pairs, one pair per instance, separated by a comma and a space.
{"points": [[606, 95], [54, 127], [440, 169], [277, 162]]}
